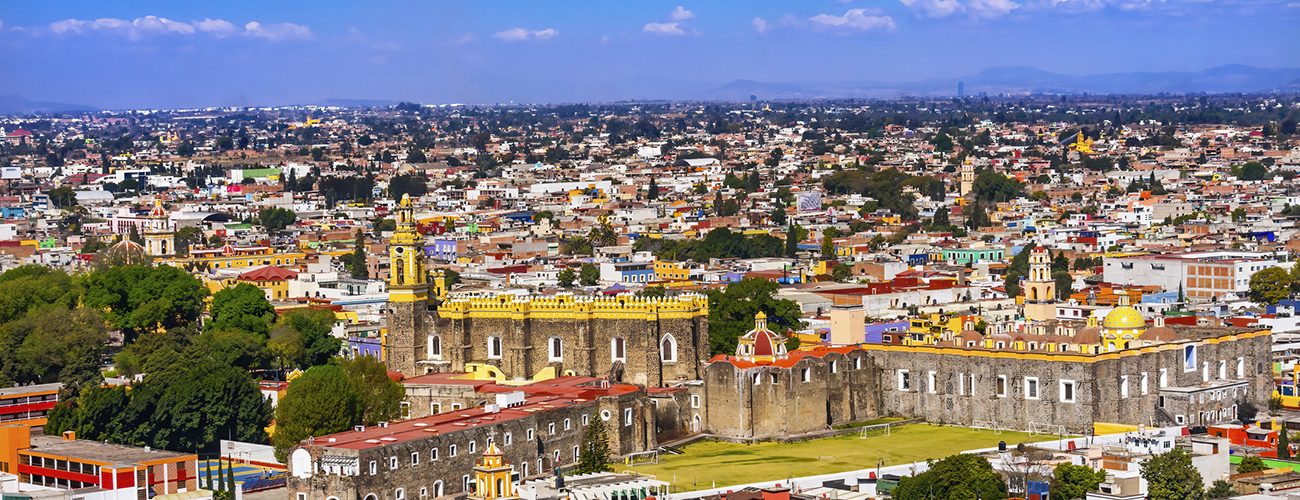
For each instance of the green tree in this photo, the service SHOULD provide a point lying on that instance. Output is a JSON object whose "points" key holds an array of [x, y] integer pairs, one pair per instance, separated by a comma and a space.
{"points": [[321, 401], [385, 225], [942, 143], [1251, 464], [187, 237], [1171, 476], [792, 241], [379, 398], [317, 154], [1270, 285], [243, 307], [566, 278], [1064, 284], [828, 247], [593, 455], [276, 219], [732, 310], [588, 275], [1283, 444], [1012, 283], [841, 272], [653, 192], [778, 214], [355, 262], [136, 299], [1253, 171], [577, 245], [958, 477], [1221, 489], [302, 338], [1070, 482]]}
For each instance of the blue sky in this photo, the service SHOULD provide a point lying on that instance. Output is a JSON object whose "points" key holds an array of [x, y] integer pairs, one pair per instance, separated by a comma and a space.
{"points": [[131, 53]]}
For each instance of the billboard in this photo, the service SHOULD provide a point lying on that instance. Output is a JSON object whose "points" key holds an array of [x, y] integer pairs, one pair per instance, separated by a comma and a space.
{"points": [[809, 202], [10, 173]]}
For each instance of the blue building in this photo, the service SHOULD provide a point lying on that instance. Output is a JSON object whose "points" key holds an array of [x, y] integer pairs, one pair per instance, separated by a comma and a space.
{"points": [[627, 272], [441, 249], [875, 333]]}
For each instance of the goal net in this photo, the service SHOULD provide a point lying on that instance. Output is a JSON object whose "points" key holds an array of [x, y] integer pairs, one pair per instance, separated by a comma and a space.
{"points": [[986, 425], [1041, 429], [874, 430]]}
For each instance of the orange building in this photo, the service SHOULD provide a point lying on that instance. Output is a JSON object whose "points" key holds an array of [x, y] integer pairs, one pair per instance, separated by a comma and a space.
{"points": [[28, 404], [68, 463]]}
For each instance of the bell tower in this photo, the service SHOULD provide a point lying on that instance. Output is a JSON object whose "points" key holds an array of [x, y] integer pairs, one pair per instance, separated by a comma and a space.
{"points": [[1040, 288], [408, 292], [967, 177]]}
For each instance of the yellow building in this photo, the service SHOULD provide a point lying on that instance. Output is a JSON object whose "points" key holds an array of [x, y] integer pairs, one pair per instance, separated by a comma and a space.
{"points": [[671, 271], [273, 281], [492, 476]]}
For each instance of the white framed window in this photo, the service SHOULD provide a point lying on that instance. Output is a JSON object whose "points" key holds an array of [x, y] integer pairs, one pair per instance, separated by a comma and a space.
{"points": [[904, 380], [528, 435], [451, 450], [575, 453], [627, 417], [508, 439], [1164, 378], [1144, 383], [757, 378], [605, 416], [566, 424], [433, 455], [1189, 358], [494, 346], [473, 446], [695, 400], [1223, 369], [435, 347], [550, 428], [617, 349], [772, 378], [1031, 387], [586, 419], [466, 482], [374, 467], [930, 386], [668, 349], [400, 494], [555, 349], [415, 459], [1067, 391], [406, 409], [961, 384], [1123, 386], [1002, 386], [805, 374], [392, 462], [857, 363], [834, 366], [1241, 367], [424, 492]]}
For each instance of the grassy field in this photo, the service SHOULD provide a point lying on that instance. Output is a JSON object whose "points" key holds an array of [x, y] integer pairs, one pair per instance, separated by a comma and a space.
{"points": [[705, 462]]}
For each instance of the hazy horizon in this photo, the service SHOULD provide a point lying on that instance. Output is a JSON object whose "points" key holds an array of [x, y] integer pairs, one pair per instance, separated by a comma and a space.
{"points": [[142, 54]]}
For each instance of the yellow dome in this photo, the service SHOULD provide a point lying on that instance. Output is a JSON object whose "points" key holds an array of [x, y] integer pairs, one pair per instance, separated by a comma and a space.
{"points": [[1124, 318]]}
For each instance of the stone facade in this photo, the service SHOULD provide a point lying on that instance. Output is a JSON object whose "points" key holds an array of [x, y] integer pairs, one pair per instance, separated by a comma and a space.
{"points": [[796, 395], [364, 466], [1014, 389], [649, 342]]}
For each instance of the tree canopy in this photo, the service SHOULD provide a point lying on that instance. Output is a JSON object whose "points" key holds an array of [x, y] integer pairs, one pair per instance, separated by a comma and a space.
{"points": [[957, 477], [1171, 476], [732, 311]]}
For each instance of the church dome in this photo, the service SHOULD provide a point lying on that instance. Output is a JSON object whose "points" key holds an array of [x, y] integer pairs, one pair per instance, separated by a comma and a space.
{"points": [[1124, 318]]}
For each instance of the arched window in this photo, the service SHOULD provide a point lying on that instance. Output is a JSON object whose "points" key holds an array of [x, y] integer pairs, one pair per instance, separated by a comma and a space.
{"points": [[435, 347], [555, 349], [668, 349], [494, 346], [437, 488], [617, 349], [397, 272]]}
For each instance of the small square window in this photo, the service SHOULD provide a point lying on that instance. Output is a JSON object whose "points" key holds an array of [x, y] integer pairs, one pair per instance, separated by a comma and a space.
{"points": [[1067, 391], [695, 401], [415, 459], [392, 462], [1002, 386], [566, 424], [805, 374], [586, 419], [550, 428], [627, 417], [529, 435], [374, 467], [904, 380], [507, 439], [451, 450], [433, 455], [1031, 387], [473, 446]]}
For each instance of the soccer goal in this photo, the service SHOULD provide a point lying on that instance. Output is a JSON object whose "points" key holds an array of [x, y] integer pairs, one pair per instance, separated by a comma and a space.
{"points": [[642, 458], [1041, 429], [988, 425], [874, 430]]}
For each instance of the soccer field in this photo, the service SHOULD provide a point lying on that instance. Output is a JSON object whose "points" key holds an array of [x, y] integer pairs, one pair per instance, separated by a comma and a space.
{"points": [[727, 463]]}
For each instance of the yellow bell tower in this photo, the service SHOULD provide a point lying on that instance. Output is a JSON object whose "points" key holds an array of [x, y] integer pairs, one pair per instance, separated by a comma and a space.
{"points": [[492, 476], [408, 291], [967, 177], [1040, 288]]}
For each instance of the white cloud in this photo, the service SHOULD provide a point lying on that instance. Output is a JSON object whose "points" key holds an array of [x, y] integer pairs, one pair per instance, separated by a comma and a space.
{"points": [[760, 25], [276, 32], [520, 34], [604, 38], [858, 19], [681, 14], [153, 25], [991, 8], [1293, 4], [217, 27], [663, 29], [934, 8]]}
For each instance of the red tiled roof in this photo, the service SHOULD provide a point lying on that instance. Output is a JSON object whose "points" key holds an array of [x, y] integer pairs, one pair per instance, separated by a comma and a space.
{"points": [[268, 273]]}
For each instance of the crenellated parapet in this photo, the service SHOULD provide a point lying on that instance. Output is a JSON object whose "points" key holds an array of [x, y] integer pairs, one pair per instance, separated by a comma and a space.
{"points": [[575, 307]]}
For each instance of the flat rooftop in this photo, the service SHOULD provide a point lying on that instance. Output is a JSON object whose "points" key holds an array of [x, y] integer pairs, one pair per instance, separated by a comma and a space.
{"points": [[94, 451], [28, 389]]}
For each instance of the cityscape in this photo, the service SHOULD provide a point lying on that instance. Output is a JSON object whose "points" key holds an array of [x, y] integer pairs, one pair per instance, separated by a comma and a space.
{"points": [[588, 278]]}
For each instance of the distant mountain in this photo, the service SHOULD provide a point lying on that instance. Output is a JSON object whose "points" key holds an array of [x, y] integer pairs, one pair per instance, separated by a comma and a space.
{"points": [[19, 105], [357, 103], [1021, 79]]}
